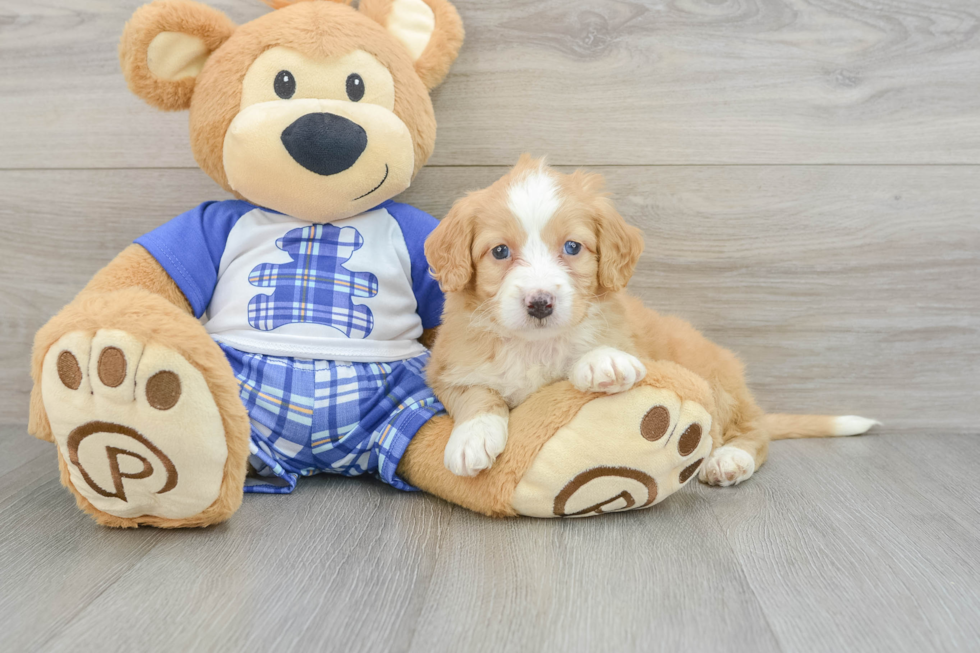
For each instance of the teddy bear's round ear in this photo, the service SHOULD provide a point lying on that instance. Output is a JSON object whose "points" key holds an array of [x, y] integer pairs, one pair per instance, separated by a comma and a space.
{"points": [[164, 46], [431, 30]]}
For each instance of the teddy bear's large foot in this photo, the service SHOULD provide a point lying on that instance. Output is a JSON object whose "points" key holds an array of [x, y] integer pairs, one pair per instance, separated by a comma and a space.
{"points": [[622, 452], [576, 454], [139, 435]]}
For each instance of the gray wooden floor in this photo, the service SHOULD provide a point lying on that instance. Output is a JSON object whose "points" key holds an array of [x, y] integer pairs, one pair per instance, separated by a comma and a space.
{"points": [[868, 544], [807, 176]]}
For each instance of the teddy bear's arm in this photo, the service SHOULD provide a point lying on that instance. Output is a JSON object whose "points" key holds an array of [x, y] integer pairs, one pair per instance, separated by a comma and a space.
{"points": [[134, 267]]}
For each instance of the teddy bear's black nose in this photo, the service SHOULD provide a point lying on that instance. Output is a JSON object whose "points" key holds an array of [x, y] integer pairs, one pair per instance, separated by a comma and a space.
{"points": [[324, 143]]}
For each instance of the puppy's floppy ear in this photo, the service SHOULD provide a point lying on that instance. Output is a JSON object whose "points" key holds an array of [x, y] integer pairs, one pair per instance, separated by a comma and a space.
{"points": [[448, 248], [431, 30], [164, 46], [619, 244]]}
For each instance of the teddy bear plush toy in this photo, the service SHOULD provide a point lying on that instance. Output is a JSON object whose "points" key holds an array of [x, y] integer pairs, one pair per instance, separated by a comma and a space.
{"points": [[316, 297]]}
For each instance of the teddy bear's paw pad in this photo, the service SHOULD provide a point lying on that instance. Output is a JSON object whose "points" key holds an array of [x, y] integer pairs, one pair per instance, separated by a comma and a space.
{"points": [[727, 465], [622, 452], [136, 425]]}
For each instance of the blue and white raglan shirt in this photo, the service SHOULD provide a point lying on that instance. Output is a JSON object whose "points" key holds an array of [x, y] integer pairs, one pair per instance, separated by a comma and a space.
{"points": [[356, 290]]}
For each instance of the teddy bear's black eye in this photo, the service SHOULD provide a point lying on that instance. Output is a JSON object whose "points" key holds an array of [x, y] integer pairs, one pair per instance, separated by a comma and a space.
{"points": [[355, 87], [285, 84]]}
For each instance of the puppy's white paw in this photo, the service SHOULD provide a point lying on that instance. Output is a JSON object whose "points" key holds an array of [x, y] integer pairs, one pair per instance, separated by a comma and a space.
{"points": [[475, 444], [727, 465], [607, 370]]}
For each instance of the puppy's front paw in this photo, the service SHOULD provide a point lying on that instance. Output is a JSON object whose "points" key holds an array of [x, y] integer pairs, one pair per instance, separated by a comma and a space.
{"points": [[727, 465], [607, 370], [475, 444]]}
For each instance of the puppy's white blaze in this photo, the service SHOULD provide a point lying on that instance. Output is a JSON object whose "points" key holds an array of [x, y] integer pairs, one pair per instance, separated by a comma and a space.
{"points": [[533, 199], [853, 425]]}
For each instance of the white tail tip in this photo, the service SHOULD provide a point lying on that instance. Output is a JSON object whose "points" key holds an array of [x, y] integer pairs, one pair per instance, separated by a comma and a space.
{"points": [[853, 425]]}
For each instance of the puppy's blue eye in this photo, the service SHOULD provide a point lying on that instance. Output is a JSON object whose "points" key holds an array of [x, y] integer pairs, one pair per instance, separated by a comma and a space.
{"points": [[572, 248], [500, 252]]}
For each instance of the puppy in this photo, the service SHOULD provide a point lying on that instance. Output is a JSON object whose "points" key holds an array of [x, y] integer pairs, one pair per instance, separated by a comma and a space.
{"points": [[534, 268]]}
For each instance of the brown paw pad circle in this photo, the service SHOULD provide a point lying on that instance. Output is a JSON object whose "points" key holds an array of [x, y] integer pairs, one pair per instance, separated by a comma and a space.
{"points": [[605, 489], [656, 424], [112, 367], [69, 371], [689, 440], [163, 390], [688, 471]]}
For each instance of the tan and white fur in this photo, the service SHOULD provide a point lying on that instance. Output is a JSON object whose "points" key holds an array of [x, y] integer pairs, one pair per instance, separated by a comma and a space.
{"points": [[534, 268]]}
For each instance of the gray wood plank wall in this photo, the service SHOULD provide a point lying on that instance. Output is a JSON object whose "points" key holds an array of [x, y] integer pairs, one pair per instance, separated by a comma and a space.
{"points": [[805, 173]]}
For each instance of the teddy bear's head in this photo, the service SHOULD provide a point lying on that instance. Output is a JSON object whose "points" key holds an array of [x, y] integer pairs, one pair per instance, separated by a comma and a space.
{"points": [[315, 109]]}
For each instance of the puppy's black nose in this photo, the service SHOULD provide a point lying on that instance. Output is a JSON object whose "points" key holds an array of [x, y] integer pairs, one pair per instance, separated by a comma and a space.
{"points": [[324, 143], [540, 306]]}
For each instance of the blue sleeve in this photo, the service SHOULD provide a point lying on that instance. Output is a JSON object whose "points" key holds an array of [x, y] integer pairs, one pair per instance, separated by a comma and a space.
{"points": [[190, 246], [416, 226]]}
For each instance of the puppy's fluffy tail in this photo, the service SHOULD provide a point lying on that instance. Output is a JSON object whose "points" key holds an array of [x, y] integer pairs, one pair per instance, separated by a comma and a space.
{"points": [[786, 427]]}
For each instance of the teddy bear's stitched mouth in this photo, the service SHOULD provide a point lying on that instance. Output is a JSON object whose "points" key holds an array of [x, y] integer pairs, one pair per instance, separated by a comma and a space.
{"points": [[383, 180]]}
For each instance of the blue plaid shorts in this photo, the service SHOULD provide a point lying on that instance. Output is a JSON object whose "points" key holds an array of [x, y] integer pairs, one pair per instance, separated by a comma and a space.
{"points": [[312, 416]]}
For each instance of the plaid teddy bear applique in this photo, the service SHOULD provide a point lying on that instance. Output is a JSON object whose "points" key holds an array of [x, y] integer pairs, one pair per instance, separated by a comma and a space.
{"points": [[315, 286]]}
